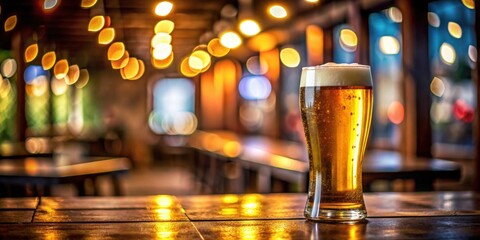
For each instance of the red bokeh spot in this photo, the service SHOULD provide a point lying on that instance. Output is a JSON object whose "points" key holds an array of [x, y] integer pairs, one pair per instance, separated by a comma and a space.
{"points": [[396, 112], [463, 111]]}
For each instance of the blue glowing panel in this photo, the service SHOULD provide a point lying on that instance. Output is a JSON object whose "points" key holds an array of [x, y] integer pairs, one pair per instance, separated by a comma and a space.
{"points": [[174, 95]]}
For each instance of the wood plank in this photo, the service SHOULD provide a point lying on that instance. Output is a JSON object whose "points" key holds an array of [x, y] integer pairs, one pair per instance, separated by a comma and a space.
{"points": [[131, 202], [384, 228], [248, 206], [117, 215], [16, 216], [18, 203], [144, 230]]}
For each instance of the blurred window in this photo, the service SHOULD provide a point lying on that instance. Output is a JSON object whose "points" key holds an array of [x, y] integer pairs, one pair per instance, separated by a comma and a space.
{"points": [[453, 55], [173, 107], [8, 95], [386, 65]]}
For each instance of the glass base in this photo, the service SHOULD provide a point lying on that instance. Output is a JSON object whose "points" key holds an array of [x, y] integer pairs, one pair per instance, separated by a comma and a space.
{"points": [[345, 216]]}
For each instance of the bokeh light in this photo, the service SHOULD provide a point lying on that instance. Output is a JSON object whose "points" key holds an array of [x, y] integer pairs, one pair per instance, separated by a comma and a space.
{"points": [[437, 87], [433, 19], [96, 23], [447, 53], [463, 111], [73, 74], [116, 51], [83, 79], [88, 3], [48, 60], [216, 49], [262, 42], [31, 52], [290, 57], [469, 4], [348, 40], [249, 27], [161, 38], [60, 69], [186, 70], [10, 23], [32, 72], [164, 63], [230, 39], [164, 26], [254, 87], [454, 29], [122, 62], [395, 14], [389, 45], [140, 72], [38, 86], [199, 60], [9, 67], [163, 8], [472, 53], [50, 5], [277, 11], [131, 69], [58, 86], [106, 36], [162, 51], [256, 66], [396, 112]]}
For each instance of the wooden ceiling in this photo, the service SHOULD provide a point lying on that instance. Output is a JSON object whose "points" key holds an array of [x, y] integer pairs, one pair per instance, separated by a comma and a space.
{"points": [[65, 28]]}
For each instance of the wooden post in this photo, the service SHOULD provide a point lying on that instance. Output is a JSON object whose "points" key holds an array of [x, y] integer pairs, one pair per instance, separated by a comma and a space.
{"points": [[476, 128], [416, 70], [17, 50]]}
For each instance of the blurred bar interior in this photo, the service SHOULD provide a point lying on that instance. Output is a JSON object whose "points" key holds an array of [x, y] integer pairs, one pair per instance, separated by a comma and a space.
{"points": [[199, 97]]}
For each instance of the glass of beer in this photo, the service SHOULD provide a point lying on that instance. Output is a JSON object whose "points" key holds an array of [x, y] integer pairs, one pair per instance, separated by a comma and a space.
{"points": [[336, 102]]}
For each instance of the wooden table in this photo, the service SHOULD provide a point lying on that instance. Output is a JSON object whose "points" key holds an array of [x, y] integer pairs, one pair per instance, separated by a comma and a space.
{"points": [[288, 161], [49, 171], [432, 215]]}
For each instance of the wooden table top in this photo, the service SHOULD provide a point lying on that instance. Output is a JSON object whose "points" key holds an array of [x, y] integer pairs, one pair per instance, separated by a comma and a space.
{"points": [[432, 215]]}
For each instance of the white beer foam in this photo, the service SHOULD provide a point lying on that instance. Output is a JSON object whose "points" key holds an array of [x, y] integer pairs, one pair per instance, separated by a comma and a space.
{"points": [[335, 74]]}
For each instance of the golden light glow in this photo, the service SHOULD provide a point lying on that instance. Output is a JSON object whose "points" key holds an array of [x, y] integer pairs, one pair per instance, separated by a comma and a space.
{"points": [[216, 49], [186, 70], [131, 69], [116, 51], [164, 201], [73, 74], [472, 53], [348, 40], [58, 86], [106, 36], [312, 1], [88, 3], [122, 62], [290, 57], [230, 39], [232, 149], [315, 44], [163, 8], [5, 89], [10, 23], [262, 42], [83, 79], [162, 64], [9, 67], [277, 11], [31, 165], [469, 3], [389, 45], [162, 51], [447, 53], [454, 29], [61, 69], [96, 23], [31, 52], [249, 27], [160, 38], [164, 26], [141, 71], [437, 87], [48, 60], [199, 60], [38, 87], [230, 198]]}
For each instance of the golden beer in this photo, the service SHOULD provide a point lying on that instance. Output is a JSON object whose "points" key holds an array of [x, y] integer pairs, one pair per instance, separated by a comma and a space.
{"points": [[336, 114]]}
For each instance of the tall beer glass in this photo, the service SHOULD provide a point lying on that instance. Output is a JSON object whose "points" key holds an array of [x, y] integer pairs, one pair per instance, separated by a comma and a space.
{"points": [[336, 102]]}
